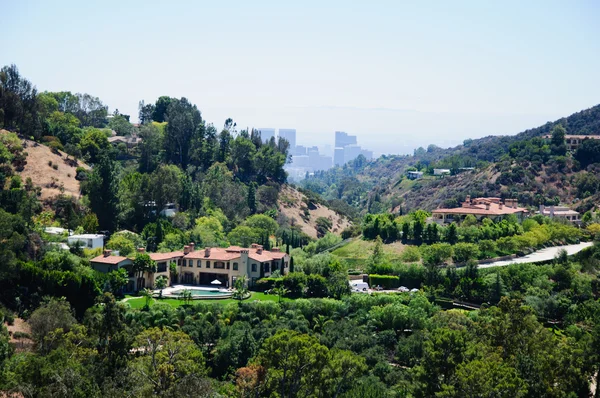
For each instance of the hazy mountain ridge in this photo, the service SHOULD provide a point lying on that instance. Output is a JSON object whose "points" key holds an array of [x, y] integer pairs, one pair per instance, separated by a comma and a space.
{"points": [[382, 185]]}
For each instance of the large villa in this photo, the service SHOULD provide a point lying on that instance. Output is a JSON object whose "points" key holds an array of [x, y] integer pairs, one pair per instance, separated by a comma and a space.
{"points": [[202, 267], [492, 208]]}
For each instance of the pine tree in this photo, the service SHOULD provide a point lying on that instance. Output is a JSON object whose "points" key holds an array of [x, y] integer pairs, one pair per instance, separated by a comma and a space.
{"points": [[291, 264]]}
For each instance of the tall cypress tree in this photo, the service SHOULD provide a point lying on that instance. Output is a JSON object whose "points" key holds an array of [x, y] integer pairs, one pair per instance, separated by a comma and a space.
{"points": [[102, 191], [252, 198]]}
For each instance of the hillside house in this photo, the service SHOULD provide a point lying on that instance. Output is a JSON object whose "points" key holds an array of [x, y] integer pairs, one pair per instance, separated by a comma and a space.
{"points": [[202, 267], [441, 172], [492, 208], [574, 141], [414, 175], [560, 212], [88, 241]]}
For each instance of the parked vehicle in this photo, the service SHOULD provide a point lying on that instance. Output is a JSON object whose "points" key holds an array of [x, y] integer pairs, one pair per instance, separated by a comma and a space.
{"points": [[359, 286]]}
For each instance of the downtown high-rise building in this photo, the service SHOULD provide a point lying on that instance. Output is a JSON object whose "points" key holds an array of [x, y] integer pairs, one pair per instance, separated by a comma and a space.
{"points": [[266, 134], [290, 136], [347, 149]]}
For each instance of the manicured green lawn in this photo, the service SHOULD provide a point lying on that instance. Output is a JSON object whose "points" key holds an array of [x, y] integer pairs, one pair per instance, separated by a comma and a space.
{"points": [[357, 252], [139, 302]]}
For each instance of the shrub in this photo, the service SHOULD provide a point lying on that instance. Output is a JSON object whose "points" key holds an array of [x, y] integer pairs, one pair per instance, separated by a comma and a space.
{"points": [[55, 166], [295, 282], [411, 254], [464, 251], [385, 281], [316, 286], [265, 284], [437, 253]]}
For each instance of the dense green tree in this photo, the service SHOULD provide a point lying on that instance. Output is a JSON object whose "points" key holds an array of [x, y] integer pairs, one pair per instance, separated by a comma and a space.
{"points": [[588, 152], [184, 122], [19, 105], [165, 359], [161, 107], [102, 190], [294, 363]]}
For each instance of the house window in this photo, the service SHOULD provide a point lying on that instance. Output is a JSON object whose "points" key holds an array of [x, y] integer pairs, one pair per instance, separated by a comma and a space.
{"points": [[235, 266], [219, 265], [208, 264], [227, 264], [178, 261], [183, 263], [161, 267], [253, 267], [199, 262]]}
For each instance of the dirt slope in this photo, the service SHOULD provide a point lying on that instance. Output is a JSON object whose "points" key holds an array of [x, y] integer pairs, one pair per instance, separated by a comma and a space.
{"points": [[43, 174], [292, 204]]}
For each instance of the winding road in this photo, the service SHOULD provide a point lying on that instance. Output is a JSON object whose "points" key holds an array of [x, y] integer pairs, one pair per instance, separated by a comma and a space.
{"points": [[541, 255]]}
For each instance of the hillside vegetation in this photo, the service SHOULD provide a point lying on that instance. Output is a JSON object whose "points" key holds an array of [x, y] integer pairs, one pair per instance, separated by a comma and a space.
{"points": [[52, 170], [525, 167]]}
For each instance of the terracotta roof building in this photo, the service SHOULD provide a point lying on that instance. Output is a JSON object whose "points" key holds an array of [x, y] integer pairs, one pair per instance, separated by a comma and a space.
{"points": [[492, 208], [573, 141], [203, 266], [560, 212]]}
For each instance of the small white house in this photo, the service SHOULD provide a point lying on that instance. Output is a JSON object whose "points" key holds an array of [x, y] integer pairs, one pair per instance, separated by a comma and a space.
{"points": [[441, 172], [88, 241]]}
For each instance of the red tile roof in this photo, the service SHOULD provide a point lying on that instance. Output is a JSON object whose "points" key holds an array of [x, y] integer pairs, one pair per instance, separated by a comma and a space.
{"points": [[220, 254], [113, 260], [165, 256]]}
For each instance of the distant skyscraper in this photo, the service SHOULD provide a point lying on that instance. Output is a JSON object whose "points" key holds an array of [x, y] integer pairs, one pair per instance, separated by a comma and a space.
{"points": [[290, 136], [342, 139], [338, 156], [266, 134]]}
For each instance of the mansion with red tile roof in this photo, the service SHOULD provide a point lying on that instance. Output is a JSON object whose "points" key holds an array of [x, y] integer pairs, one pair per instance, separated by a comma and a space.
{"points": [[492, 208], [201, 267]]}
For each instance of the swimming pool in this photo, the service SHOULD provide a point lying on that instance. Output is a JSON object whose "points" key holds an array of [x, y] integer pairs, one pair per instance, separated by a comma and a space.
{"points": [[199, 293]]}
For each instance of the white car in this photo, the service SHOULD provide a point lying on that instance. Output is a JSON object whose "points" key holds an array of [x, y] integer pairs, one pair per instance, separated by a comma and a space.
{"points": [[357, 286], [403, 289]]}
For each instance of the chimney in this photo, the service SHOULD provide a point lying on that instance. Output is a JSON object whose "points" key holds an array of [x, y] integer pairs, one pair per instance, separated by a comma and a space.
{"points": [[192, 246], [254, 246], [106, 253], [207, 252], [141, 250], [468, 200], [259, 249], [275, 250], [500, 205], [186, 249], [487, 206]]}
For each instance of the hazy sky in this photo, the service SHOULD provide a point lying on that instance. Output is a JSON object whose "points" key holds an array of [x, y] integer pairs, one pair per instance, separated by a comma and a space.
{"points": [[397, 74]]}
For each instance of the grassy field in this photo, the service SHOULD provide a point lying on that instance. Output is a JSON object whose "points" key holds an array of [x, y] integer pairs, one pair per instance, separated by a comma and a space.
{"points": [[358, 251], [139, 302]]}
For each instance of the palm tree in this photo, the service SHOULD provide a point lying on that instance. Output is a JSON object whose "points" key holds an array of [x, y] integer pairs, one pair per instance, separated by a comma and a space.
{"points": [[240, 289], [280, 291], [147, 294], [320, 322], [161, 283], [186, 296]]}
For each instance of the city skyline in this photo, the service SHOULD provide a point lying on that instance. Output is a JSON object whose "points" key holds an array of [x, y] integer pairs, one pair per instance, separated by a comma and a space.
{"points": [[398, 75]]}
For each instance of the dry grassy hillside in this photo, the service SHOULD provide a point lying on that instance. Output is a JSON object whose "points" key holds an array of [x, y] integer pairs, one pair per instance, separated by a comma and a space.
{"points": [[292, 204], [52, 172]]}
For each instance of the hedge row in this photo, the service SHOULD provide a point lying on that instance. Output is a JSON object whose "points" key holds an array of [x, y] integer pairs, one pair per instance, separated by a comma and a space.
{"points": [[385, 281]]}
